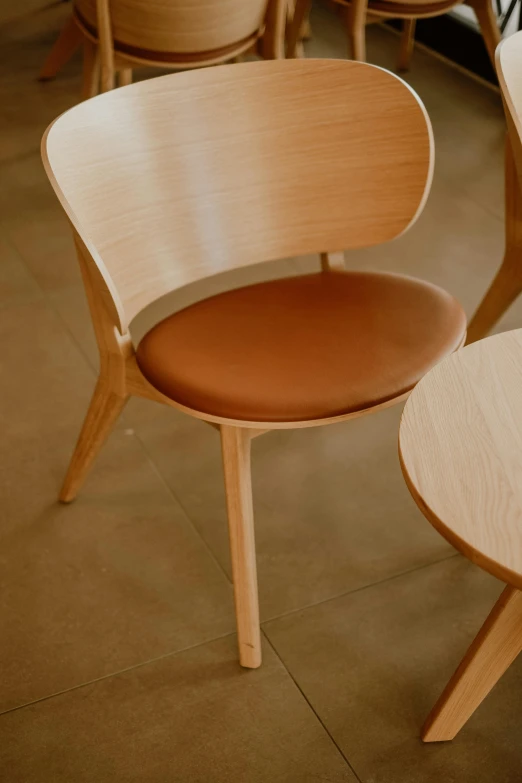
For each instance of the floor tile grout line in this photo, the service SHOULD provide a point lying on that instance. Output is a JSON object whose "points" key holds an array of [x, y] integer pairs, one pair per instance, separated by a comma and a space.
{"points": [[360, 589], [174, 496], [173, 653], [310, 705], [109, 676], [20, 256], [49, 302], [464, 194]]}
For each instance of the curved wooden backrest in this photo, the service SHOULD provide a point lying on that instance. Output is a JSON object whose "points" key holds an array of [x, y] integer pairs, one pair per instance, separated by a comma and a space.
{"points": [[184, 176], [179, 26], [509, 70]]}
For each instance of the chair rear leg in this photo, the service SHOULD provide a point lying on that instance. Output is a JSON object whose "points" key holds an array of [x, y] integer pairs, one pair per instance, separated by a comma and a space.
{"points": [[407, 43], [235, 442], [67, 43], [495, 647], [91, 70], [356, 28], [124, 76], [298, 21], [104, 410], [488, 26], [503, 291]]}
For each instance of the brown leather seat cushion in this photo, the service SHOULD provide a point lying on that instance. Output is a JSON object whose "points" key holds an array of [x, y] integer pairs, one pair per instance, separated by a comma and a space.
{"points": [[302, 348]]}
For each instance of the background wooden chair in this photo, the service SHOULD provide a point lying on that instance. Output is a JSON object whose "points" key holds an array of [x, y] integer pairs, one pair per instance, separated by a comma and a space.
{"points": [[178, 178], [507, 285], [359, 13], [461, 451], [120, 35]]}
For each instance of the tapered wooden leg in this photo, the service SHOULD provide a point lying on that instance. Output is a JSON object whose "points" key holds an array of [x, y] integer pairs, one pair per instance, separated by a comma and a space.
{"points": [[103, 412], [91, 70], [488, 26], [296, 26], [507, 284], [124, 76], [235, 442], [503, 291], [495, 647], [407, 43], [68, 42], [356, 28]]}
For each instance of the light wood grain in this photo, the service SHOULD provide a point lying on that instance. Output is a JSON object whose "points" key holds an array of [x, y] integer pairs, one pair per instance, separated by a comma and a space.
{"points": [[167, 182], [235, 443], [169, 33], [460, 446], [104, 411], [493, 650], [461, 451], [177, 26], [192, 215]]}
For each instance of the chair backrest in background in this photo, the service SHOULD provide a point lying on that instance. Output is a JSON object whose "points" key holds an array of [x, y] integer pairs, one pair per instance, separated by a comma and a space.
{"points": [[177, 27]]}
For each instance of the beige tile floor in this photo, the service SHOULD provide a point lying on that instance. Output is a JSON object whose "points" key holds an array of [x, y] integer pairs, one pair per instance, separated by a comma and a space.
{"points": [[117, 647]]}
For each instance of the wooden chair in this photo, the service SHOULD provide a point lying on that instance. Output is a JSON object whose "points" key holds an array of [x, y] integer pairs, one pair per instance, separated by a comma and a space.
{"points": [[175, 179], [507, 285], [359, 13], [119, 35], [460, 446], [461, 453]]}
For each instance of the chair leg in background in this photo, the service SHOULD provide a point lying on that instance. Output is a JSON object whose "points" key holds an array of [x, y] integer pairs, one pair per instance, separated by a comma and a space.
{"points": [[488, 26], [68, 42], [91, 70], [235, 442], [407, 43], [356, 29], [495, 647], [503, 291], [297, 23], [103, 412], [124, 77], [507, 284]]}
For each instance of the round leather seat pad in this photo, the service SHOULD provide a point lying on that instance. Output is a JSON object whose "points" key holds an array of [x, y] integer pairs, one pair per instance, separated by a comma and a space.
{"points": [[302, 348]]}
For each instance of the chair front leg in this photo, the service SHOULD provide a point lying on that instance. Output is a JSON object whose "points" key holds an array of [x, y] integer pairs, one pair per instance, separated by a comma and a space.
{"points": [[235, 442], [495, 647], [104, 410]]}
